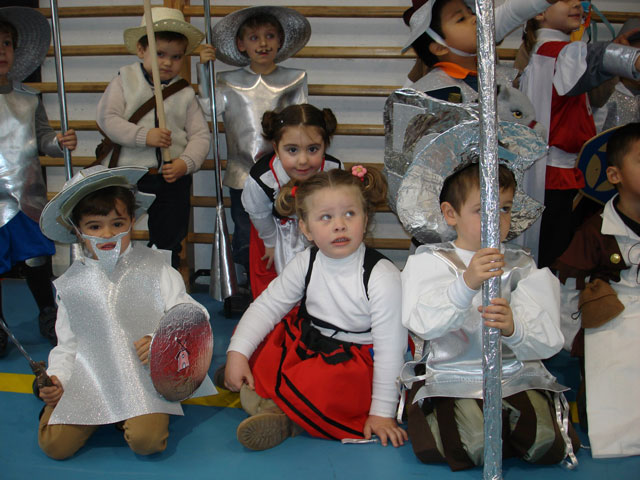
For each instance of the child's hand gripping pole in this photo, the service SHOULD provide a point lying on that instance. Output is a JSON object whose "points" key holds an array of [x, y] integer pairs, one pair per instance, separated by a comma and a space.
{"points": [[155, 73]]}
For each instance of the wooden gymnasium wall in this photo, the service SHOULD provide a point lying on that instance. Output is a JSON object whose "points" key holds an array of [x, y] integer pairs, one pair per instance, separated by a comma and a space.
{"points": [[353, 62]]}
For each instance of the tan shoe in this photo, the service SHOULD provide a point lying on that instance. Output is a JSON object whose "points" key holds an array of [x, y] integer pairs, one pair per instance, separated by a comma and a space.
{"points": [[264, 431]]}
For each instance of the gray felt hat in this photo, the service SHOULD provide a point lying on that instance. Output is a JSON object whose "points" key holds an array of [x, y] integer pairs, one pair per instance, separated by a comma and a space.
{"points": [[34, 38], [55, 221], [296, 27]]}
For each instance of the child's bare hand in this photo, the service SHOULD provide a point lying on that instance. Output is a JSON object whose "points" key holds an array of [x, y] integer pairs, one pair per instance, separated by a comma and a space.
{"points": [[269, 254], [386, 429], [52, 395], [486, 263], [142, 348], [498, 315], [237, 372], [68, 139], [207, 52], [159, 137], [174, 170]]}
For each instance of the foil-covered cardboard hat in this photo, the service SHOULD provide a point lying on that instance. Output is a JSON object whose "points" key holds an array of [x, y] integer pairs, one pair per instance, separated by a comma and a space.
{"points": [[427, 141], [34, 37], [296, 27], [55, 221]]}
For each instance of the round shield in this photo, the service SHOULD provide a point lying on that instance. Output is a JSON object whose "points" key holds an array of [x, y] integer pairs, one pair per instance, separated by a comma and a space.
{"points": [[181, 351], [592, 162]]}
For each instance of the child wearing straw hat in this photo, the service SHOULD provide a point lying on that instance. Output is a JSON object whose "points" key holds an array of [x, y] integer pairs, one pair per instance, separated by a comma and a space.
{"points": [[132, 128], [24, 134], [256, 39]]}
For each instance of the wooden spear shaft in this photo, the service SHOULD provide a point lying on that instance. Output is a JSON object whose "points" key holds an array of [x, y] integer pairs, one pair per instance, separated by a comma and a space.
{"points": [[155, 73]]}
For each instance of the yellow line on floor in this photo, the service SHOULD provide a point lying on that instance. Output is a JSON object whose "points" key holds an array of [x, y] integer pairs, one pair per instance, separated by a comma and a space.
{"points": [[16, 382], [22, 383]]}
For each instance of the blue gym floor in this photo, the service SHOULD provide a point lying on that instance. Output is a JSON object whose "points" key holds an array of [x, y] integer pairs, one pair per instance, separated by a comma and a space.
{"points": [[203, 444]]}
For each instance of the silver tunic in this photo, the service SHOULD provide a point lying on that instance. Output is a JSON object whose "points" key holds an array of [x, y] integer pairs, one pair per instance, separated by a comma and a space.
{"points": [[245, 96], [109, 383], [454, 362], [22, 186], [622, 108]]}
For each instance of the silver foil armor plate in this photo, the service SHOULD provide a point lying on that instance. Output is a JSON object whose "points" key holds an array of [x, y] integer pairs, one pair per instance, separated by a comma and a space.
{"points": [[107, 314], [22, 186], [246, 96], [181, 351]]}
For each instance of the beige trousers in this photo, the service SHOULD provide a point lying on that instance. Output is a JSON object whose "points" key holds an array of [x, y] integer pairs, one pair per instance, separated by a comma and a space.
{"points": [[145, 435]]}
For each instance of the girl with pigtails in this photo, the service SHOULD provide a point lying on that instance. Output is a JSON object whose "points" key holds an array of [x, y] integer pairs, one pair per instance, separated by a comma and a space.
{"points": [[329, 368], [300, 134]]}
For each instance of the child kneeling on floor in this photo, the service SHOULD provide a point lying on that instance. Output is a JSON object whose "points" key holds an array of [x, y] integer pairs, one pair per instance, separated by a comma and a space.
{"points": [[442, 304], [109, 304], [331, 369]]}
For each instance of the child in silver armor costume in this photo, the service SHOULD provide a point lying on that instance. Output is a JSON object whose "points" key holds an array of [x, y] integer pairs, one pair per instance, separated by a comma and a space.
{"points": [[256, 39], [442, 305], [110, 302], [24, 134]]}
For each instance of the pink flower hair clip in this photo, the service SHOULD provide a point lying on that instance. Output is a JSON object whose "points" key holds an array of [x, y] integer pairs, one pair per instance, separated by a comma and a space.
{"points": [[359, 171]]}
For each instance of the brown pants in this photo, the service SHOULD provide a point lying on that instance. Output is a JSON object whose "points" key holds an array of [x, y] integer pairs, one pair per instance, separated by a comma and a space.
{"points": [[451, 430], [145, 435]]}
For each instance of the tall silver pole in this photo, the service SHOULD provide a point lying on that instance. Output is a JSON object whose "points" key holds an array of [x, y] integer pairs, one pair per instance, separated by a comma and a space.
{"points": [[75, 250], [223, 281], [55, 26], [491, 348]]}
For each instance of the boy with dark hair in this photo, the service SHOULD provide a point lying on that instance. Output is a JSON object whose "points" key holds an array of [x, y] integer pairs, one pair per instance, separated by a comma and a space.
{"points": [[600, 269], [24, 133], [443, 35], [256, 39], [111, 300], [123, 118], [442, 305]]}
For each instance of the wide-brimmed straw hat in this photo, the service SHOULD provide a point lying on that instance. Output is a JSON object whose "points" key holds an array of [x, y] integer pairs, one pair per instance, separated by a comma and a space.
{"points": [[296, 27], [34, 38], [164, 20], [55, 221]]}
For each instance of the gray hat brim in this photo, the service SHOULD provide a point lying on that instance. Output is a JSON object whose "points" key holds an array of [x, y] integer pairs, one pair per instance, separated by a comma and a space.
{"points": [[34, 38], [296, 27], [54, 222]]}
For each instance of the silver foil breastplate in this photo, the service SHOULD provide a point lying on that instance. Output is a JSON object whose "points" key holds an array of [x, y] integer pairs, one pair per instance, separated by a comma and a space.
{"points": [[454, 361], [107, 314], [246, 97], [22, 186]]}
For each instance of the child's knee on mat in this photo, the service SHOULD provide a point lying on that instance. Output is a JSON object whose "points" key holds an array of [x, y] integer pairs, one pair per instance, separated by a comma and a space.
{"points": [[147, 434]]}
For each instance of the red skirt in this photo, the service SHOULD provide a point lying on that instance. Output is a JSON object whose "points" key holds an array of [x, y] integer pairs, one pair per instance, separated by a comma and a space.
{"points": [[322, 384], [259, 276]]}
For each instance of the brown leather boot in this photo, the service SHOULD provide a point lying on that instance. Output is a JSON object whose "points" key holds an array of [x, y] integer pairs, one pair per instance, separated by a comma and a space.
{"points": [[264, 430]]}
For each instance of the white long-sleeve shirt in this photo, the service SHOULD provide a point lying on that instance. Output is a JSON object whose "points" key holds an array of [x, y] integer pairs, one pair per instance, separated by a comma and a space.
{"points": [[336, 295], [437, 304]]}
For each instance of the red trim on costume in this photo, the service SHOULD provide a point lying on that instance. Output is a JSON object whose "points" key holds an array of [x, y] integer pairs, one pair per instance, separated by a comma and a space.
{"points": [[563, 178], [571, 125]]}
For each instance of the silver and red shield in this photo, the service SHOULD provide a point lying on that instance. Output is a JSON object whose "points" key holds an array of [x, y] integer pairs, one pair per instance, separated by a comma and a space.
{"points": [[181, 351]]}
